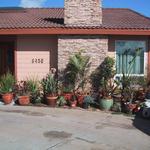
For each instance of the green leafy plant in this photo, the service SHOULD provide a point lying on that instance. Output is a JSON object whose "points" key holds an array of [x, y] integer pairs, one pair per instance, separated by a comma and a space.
{"points": [[7, 82], [102, 78], [88, 100], [103, 73], [49, 85], [76, 72], [61, 101], [67, 89], [33, 86], [128, 81], [21, 89]]}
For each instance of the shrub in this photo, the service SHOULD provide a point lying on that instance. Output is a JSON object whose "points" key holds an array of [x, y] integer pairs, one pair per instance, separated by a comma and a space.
{"points": [[7, 82], [103, 73], [76, 70], [49, 85], [33, 86]]}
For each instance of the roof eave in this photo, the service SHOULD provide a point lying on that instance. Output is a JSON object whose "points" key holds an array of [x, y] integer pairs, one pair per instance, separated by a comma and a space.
{"points": [[74, 31]]}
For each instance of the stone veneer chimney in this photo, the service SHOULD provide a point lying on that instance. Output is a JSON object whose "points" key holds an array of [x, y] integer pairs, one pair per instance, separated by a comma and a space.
{"points": [[83, 12]]}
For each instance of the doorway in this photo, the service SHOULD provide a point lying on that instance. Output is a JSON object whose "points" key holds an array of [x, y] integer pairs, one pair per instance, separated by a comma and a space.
{"points": [[6, 57]]}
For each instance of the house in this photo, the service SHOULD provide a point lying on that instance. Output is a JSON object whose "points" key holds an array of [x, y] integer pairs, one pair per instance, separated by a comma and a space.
{"points": [[33, 40]]}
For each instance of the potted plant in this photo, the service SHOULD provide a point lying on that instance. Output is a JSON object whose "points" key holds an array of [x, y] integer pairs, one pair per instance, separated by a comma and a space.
{"points": [[22, 93], [103, 82], [61, 101], [106, 95], [33, 86], [67, 92], [73, 101], [87, 101], [76, 76], [76, 72], [80, 98], [7, 83], [130, 83], [49, 85]]}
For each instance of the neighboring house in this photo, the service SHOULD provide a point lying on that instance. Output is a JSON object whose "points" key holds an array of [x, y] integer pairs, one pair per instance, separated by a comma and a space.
{"points": [[33, 40]]}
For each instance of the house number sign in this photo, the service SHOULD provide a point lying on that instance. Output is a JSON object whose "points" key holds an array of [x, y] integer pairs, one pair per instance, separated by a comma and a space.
{"points": [[37, 61]]}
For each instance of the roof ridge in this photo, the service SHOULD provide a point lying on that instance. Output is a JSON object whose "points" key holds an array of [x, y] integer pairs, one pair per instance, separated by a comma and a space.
{"points": [[63, 8], [142, 15], [134, 11], [116, 8], [45, 8]]}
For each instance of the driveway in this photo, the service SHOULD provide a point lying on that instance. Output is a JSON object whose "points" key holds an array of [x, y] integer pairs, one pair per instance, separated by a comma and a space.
{"points": [[36, 128]]}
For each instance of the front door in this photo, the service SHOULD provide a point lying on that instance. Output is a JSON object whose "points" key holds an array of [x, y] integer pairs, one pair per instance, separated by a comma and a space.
{"points": [[6, 58]]}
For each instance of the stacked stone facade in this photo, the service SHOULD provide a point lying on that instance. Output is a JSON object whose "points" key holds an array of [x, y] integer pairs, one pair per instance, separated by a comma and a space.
{"points": [[83, 13], [93, 45], [80, 13]]}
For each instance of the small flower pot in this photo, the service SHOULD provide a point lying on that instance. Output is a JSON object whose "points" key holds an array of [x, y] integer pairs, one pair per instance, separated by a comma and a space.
{"points": [[134, 108], [24, 100], [67, 96], [73, 104], [7, 98], [51, 100], [106, 104]]}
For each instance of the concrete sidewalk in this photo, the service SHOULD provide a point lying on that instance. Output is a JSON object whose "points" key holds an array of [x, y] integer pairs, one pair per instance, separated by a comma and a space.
{"points": [[36, 128]]}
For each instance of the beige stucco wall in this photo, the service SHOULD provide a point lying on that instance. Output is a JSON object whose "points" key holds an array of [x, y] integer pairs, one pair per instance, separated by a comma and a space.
{"points": [[38, 47]]}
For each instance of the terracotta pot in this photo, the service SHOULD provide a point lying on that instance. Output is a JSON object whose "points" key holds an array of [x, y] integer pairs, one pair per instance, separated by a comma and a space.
{"points": [[24, 100], [132, 106], [7, 98], [51, 100], [74, 104], [67, 96], [80, 100]]}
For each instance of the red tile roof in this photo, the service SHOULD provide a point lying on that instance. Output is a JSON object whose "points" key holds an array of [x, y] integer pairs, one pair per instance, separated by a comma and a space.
{"points": [[113, 18]]}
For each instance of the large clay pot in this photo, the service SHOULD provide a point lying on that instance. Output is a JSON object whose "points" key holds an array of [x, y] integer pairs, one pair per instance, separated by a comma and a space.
{"points": [[24, 100], [51, 100], [106, 104], [7, 98]]}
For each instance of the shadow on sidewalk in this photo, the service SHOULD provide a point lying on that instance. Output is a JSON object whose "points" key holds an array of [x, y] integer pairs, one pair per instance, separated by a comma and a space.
{"points": [[142, 124]]}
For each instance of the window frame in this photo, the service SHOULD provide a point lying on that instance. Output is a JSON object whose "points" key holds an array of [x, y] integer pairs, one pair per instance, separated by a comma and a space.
{"points": [[145, 57]]}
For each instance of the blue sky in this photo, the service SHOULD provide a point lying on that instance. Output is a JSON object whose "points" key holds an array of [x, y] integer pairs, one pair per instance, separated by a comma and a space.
{"points": [[142, 6]]}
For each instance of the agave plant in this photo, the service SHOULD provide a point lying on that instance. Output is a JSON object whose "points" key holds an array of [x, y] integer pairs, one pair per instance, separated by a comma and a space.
{"points": [[77, 69], [7, 82], [33, 86], [49, 85]]}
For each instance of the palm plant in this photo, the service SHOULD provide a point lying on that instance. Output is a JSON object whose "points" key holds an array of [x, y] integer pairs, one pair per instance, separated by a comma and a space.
{"points": [[76, 70]]}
